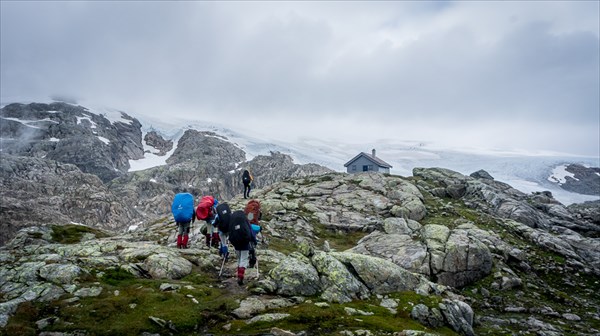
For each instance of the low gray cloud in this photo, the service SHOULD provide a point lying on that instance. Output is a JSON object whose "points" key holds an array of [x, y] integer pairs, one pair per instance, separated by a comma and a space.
{"points": [[516, 74]]}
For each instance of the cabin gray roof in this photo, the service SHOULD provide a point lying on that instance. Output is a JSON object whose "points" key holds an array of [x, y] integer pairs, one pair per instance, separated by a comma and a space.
{"points": [[370, 157]]}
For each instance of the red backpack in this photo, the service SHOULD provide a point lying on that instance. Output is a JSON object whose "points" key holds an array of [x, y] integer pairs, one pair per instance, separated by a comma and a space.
{"points": [[252, 211], [205, 208]]}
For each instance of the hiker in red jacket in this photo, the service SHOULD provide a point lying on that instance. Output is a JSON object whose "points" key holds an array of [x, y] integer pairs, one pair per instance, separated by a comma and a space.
{"points": [[207, 211]]}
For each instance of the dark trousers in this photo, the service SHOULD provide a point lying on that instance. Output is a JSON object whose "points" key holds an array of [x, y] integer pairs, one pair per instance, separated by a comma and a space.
{"points": [[246, 190]]}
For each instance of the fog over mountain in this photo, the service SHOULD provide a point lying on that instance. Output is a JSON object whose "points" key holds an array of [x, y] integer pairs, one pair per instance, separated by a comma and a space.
{"points": [[506, 75]]}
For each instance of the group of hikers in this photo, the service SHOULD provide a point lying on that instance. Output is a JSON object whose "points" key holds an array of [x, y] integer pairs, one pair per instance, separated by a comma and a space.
{"points": [[222, 226]]}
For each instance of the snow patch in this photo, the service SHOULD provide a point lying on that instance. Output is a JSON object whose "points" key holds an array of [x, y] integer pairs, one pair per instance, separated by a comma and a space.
{"points": [[148, 148], [113, 115], [209, 180], [103, 139], [54, 139], [29, 122], [88, 118], [151, 160], [559, 175], [153, 180]]}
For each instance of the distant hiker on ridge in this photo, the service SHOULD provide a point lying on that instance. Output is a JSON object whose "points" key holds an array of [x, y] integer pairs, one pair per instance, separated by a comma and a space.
{"points": [[247, 180], [184, 214]]}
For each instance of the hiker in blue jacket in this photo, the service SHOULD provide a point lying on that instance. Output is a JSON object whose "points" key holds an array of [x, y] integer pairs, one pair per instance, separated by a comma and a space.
{"points": [[184, 215], [183, 235]]}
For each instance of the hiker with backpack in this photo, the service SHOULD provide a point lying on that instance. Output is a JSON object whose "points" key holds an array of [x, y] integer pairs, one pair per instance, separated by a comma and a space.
{"points": [[207, 211], [254, 215], [241, 237], [223, 217], [184, 214], [247, 181]]}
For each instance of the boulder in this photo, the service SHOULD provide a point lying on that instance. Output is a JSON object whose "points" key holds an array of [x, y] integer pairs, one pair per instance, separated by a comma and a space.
{"points": [[295, 277]]}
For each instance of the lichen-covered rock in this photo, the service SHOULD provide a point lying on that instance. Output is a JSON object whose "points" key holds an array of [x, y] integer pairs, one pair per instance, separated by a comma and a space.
{"points": [[167, 266], [401, 249], [339, 285], [429, 317], [458, 315], [466, 260], [268, 318], [249, 307], [295, 277], [379, 275], [59, 273]]}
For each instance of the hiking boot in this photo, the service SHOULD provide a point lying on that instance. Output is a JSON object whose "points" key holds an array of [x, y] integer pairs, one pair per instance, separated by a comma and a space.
{"points": [[184, 241], [240, 275]]}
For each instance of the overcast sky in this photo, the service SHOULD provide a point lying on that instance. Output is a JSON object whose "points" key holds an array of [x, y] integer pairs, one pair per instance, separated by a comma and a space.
{"points": [[506, 74]]}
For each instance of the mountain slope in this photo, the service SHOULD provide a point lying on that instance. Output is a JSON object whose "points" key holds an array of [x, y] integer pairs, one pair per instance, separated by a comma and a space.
{"points": [[439, 252], [63, 163]]}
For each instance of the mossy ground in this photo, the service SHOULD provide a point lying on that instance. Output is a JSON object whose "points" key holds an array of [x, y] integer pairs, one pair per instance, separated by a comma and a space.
{"points": [[126, 303], [72, 234], [332, 320]]}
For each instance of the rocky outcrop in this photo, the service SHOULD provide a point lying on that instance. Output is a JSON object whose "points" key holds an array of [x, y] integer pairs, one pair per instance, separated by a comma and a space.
{"points": [[156, 141], [540, 218], [387, 207], [580, 179], [539, 210], [34, 267], [72, 134], [588, 211], [204, 163], [35, 191], [269, 169]]}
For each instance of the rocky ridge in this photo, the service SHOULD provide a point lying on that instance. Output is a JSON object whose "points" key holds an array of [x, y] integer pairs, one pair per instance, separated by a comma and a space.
{"points": [[61, 163], [35, 191], [437, 253], [584, 180], [71, 134]]}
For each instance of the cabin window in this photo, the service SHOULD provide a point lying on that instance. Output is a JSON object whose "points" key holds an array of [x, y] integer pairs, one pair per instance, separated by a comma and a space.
{"points": [[365, 168]]}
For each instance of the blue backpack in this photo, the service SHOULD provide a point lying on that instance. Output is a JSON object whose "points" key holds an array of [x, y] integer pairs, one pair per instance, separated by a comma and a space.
{"points": [[183, 207]]}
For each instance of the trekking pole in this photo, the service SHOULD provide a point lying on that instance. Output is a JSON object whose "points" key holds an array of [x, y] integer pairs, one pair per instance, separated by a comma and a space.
{"points": [[223, 263], [257, 272]]}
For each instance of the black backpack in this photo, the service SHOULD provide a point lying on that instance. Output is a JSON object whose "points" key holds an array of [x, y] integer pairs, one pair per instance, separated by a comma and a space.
{"points": [[246, 176], [240, 233], [224, 217]]}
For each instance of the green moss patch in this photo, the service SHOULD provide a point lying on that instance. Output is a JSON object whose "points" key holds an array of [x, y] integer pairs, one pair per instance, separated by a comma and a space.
{"points": [[72, 234], [334, 319], [338, 240], [126, 304]]}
